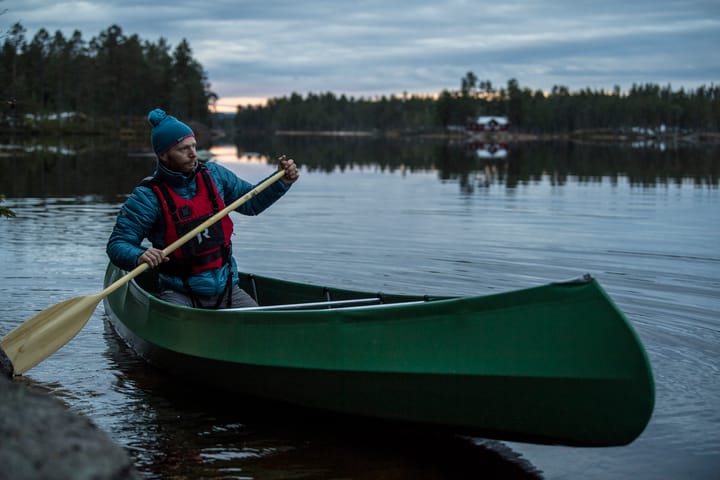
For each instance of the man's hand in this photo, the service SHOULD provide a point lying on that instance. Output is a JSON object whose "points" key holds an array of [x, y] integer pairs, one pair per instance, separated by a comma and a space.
{"points": [[291, 171], [153, 257]]}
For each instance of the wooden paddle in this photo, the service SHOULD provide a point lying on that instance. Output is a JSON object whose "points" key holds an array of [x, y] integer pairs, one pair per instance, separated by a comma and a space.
{"points": [[41, 336]]}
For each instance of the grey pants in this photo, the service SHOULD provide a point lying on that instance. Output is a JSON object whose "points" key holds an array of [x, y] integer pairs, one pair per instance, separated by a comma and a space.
{"points": [[239, 299]]}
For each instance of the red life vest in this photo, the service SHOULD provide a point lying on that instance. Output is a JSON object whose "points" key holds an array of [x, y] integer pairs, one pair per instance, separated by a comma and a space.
{"points": [[206, 251]]}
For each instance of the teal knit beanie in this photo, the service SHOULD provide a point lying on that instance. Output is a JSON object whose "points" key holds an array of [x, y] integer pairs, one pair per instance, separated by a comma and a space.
{"points": [[167, 131]]}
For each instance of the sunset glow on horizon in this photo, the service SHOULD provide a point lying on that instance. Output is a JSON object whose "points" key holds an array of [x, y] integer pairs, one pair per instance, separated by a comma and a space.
{"points": [[230, 104]]}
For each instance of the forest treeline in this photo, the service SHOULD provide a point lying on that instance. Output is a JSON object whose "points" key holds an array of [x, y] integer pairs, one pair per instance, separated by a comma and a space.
{"points": [[529, 111], [112, 76]]}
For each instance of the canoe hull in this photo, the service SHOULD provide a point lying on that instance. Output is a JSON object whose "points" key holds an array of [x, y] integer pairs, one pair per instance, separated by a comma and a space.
{"points": [[524, 367]]}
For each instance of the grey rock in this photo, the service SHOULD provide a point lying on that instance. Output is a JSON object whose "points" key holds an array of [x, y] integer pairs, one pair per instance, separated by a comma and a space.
{"points": [[41, 439], [6, 366]]}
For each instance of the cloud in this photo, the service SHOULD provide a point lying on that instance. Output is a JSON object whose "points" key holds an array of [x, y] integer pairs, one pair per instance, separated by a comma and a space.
{"points": [[375, 47]]}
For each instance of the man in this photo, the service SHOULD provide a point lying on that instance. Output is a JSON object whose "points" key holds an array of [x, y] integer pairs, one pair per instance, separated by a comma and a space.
{"points": [[179, 196]]}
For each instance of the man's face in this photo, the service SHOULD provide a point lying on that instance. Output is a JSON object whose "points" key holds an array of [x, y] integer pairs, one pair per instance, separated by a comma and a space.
{"points": [[182, 157]]}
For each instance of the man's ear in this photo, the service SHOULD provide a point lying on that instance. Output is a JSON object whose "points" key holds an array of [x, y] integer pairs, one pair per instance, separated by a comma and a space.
{"points": [[163, 158]]}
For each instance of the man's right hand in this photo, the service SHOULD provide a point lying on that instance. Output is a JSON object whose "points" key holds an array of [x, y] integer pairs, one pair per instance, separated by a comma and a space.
{"points": [[153, 257]]}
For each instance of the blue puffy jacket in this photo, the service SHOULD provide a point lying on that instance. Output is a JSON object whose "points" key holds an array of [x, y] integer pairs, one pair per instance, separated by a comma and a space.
{"points": [[141, 218]]}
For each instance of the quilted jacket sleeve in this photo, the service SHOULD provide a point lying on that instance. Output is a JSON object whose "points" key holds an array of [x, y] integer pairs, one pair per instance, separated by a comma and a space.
{"points": [[134, 223], [235, 187]]}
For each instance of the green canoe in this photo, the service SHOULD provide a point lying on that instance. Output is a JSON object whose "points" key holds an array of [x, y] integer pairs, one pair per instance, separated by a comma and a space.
{"points": [[556, 364]]}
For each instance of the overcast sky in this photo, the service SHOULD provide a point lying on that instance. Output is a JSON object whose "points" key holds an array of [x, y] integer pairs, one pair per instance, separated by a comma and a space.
{"points": [[365, 48]]}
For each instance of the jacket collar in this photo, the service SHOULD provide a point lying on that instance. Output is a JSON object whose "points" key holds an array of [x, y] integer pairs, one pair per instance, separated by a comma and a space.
{"points": [[172, 178]]}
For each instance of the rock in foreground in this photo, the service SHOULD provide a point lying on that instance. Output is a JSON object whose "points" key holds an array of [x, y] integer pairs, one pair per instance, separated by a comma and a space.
{"points": [[41, 439]]}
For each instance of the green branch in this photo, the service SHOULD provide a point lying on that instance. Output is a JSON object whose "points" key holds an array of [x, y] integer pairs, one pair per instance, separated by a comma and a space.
{"points": [[4, 211]]}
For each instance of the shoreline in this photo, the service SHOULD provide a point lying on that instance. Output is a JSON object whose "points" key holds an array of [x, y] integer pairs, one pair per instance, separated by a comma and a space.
{"points": [[207, 135], [594, 136]]}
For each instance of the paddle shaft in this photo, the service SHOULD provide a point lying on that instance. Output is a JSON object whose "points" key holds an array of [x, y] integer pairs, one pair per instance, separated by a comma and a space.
{"points": [[194, 232]]}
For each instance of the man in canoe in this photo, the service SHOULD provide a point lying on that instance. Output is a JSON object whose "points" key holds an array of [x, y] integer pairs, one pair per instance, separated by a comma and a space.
{"points": [[181, 195]]}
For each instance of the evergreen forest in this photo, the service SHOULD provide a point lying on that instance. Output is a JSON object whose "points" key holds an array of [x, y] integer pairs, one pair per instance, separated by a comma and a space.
{"points": [[113, 79], [112, 76], [644, 106]]}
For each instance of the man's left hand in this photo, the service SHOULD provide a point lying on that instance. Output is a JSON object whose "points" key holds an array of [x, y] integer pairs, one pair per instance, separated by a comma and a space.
{"points": [[291, 171]]}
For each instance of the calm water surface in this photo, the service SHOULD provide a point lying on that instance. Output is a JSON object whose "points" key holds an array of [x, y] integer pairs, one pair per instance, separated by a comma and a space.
{"points": [[418, 220]]}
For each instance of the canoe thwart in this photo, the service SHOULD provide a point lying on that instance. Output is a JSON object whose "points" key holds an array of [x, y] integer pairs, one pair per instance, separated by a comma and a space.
{"points": [[355, 302]]}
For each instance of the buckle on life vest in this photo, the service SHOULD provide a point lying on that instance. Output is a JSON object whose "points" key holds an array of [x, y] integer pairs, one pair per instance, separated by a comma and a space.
{"points": [[185, 212]]}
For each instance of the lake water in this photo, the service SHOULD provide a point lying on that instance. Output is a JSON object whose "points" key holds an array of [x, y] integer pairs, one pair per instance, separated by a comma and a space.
{"points": [[399, 216]]}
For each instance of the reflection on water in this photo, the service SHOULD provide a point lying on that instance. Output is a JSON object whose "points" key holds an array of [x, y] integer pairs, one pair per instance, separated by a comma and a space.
{"points": [[516, 163], [106, 172], [405, 217]]}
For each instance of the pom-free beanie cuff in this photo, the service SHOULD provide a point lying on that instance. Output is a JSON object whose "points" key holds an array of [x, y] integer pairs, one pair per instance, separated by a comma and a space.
{"points": [[167, 131]]}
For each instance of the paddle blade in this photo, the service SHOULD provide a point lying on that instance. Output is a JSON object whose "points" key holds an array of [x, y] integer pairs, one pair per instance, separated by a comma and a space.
{"points": [[36, 339]]}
